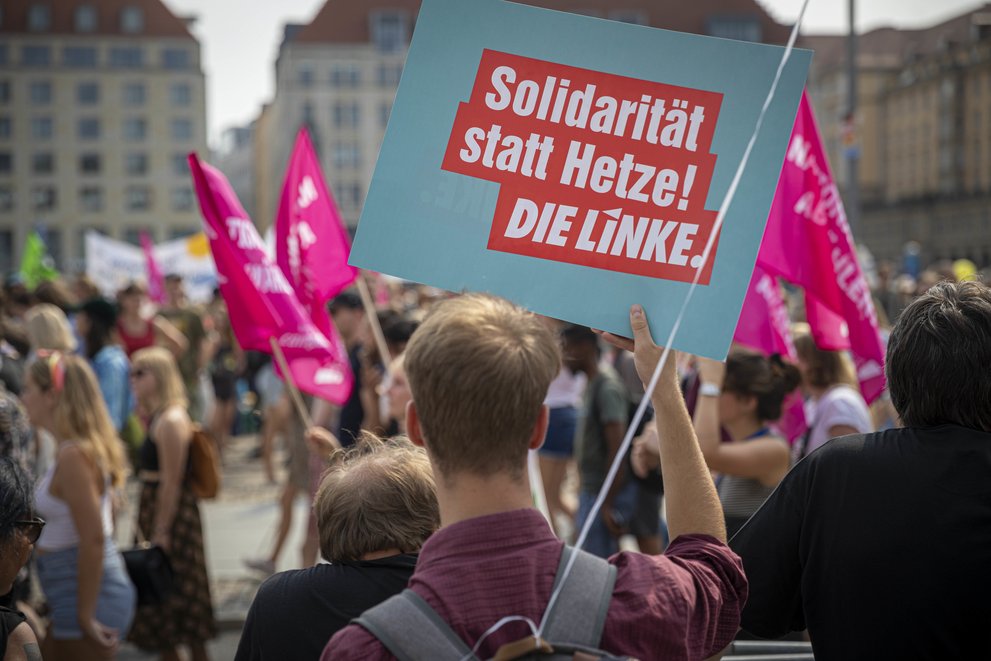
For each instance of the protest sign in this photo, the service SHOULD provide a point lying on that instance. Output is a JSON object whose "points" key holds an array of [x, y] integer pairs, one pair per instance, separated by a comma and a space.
{"points": [[808, 242], [577, 180], [112, 264], [260, 302]]}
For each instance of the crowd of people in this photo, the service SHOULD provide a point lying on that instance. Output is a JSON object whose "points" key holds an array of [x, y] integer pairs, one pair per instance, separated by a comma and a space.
{"points": [[721, 517]]}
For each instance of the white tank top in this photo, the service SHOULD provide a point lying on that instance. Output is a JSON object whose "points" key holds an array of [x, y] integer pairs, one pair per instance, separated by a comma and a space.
{"points": [[60, 531]]}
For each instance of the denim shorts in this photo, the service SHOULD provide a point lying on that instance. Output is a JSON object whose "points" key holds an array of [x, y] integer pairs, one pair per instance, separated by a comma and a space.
{"points": [[560, 440], [115, 604]]}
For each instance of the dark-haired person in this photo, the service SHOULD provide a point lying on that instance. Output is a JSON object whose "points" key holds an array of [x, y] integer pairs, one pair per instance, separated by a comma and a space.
{"points": [[835, 406], [880, 543], [95, 322], [375, 508], [19, 530], [743, 397]]}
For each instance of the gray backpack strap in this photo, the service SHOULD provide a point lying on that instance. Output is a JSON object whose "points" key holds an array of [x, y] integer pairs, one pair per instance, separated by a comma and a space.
{"points": [[412, 630], [579, 614]]}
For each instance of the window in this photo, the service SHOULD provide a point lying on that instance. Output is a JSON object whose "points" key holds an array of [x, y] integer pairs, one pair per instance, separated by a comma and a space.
{"points": [[88, 128], [134, 128], [385, 110], [346, 115], [36, 56], [87, 94], [180, 165], [91, 199], [742, 28], [182, 199], [6, 162], [40, 93], [6, 199], [90, 164], [182, 129], [79, 57], [345, 75], [137, 198], [134, 94], [389, 30], [136, 164], [44, 198], [85, 18], [352, 195], [42, 128], [305, 74], [181, 94], [39, 18], [347, 155], [389, 74], [177, 59], [132, 20], [43, 163], [4, 91], [5, 127], [126, 57]]}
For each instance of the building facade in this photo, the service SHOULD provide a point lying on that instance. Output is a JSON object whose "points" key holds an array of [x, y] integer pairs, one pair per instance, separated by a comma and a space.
{"points": [[100, 102], [923, 133], [338, 75]]}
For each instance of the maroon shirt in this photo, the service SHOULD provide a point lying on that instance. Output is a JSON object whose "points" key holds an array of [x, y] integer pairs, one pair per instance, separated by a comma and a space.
{"points": [[684, 604]]}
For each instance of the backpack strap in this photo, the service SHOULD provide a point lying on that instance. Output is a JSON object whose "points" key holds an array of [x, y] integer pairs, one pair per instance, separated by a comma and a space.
{"points": [[412, 630], [579, 614]]}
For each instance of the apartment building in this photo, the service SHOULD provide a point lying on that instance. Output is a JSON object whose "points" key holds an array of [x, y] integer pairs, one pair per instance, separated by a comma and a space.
{"points": [[100, 102]]}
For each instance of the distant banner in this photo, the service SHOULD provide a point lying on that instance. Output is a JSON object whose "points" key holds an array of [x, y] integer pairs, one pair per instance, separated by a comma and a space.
{"points": [[112, 264]]}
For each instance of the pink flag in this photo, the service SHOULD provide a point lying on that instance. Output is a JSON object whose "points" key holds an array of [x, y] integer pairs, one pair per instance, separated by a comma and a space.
{"points": [[808, 242], [311, 244], [156, 283], [260, 301], [764, 324]]}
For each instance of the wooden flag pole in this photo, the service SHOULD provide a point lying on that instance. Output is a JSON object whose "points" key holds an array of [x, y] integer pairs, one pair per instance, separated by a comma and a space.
{"points": [[297, 399], [373, 319]]}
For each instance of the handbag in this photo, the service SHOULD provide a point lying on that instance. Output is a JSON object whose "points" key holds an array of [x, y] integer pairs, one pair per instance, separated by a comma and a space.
{"points": [[150, 571]]}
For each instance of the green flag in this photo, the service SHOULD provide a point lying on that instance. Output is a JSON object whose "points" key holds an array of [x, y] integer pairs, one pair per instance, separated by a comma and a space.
{"points": [[36, 264]]}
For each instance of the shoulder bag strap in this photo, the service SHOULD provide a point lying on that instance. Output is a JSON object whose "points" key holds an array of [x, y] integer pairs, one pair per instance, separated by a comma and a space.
{"points": [[412, 630], [579, 614]]}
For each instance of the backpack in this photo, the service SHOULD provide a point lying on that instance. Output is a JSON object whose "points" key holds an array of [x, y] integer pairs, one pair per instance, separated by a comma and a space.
{"points": [[204, 464], [413, 631]]}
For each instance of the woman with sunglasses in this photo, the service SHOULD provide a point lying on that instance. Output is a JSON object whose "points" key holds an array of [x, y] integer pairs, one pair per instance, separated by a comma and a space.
{"points": [[18, 533], [169, 513], [82, 574]]}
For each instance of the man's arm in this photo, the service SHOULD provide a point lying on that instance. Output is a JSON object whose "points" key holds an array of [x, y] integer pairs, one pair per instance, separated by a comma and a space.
{"points": [[690, 496]]}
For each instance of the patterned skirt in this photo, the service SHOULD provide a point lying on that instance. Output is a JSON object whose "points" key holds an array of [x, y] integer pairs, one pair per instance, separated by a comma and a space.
{"points": [[187, 615]]}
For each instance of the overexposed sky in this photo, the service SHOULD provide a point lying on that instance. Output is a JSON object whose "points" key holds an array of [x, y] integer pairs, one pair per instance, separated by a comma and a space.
{"points": [[240, 39]]}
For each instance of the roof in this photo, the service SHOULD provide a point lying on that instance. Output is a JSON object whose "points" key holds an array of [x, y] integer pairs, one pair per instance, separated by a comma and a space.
{"points": [[346, 21], [159, 21]]}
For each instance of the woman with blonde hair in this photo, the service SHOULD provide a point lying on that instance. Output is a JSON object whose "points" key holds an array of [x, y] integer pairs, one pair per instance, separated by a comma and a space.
{"points": [[169, 513], [48, 329], [82, 574]]}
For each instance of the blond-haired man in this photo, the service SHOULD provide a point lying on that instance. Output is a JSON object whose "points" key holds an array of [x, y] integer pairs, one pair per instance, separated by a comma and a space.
{"points": [[375, 507], [479, 369]]}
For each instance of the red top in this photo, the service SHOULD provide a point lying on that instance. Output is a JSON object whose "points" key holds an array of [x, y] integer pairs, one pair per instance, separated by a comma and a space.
{"points": [[132, 343], [684, 604]]}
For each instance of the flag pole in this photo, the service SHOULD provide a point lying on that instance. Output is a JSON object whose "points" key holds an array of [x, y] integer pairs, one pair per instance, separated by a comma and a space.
{"points": [[297, 399], [373, 319]]}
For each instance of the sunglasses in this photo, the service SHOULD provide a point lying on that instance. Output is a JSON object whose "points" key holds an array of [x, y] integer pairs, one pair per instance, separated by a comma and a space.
{"points": [[31, 529]]}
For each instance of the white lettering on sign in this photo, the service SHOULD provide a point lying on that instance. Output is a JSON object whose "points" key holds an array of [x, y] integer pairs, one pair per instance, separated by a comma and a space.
{"points": [[267, 279], [306, 194], [244, 234]]}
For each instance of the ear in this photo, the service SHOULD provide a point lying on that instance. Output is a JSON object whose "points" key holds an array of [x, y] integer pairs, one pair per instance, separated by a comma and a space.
{"points": [[413, 425], [539, 429], [748, 402]]}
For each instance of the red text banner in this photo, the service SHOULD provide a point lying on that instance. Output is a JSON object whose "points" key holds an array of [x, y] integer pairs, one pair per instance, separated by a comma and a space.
{"points": [[595, 169]]}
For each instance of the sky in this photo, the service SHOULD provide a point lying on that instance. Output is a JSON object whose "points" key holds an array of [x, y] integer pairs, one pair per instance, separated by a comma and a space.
{"points": [[240, 39]]}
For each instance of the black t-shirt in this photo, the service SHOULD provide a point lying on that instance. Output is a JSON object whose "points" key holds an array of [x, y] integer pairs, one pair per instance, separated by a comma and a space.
{"points": [[9, 620], [296, 612], [352, 412], [881, 545]]}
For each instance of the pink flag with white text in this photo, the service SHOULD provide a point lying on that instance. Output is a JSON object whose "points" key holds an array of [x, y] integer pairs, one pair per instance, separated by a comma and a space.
{"points": [[156, 282], [311, 244], [808, 242], [260, 301]]}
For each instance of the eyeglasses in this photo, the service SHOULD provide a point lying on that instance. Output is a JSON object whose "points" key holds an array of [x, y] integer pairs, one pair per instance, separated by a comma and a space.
{"points": [[31, 528]]}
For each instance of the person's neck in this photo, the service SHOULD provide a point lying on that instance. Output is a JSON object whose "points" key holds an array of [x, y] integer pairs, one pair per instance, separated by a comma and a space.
{"points": [[742, 429], [378, 555], [467, 496]]}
